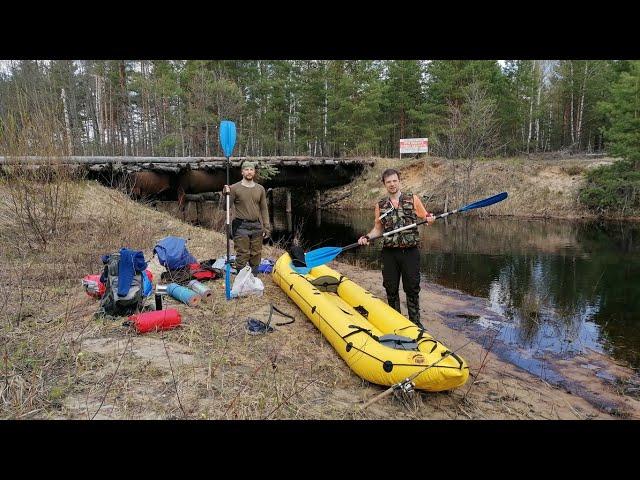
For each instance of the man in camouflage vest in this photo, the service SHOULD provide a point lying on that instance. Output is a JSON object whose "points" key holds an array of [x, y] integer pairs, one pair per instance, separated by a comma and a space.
{"points": [[400, 253]]}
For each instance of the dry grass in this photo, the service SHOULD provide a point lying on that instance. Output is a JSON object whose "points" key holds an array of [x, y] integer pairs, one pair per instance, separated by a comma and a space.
{"points": [[537, 188]]}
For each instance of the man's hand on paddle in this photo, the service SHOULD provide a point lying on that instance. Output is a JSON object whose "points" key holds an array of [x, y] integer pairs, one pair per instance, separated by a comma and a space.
{"points": [[364, 240], [375, 233], [430, 219], [226, 190]]}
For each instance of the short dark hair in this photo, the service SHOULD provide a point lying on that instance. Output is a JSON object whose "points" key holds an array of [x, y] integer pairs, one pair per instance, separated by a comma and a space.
{"points": [[388, 172]]}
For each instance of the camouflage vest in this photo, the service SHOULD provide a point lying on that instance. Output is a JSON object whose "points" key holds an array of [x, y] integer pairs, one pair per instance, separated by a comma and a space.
{"points": [[402, 216]]}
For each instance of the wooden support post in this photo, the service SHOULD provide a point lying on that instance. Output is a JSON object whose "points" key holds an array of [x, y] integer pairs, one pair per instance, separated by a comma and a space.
{"points": [[269, 198], [270, 202], [289, 222], [317, 194], [288, 209]]}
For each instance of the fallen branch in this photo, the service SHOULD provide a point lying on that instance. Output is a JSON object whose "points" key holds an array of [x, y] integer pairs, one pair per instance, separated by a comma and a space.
{"points": [[277, 407], [112, 377], [483, 363], [334, 200], [175, 385], [256, 370], [407, 384]]}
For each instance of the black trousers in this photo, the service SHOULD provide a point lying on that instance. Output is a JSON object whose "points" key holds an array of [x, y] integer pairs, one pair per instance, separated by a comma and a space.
{"points": [[402, 263]]}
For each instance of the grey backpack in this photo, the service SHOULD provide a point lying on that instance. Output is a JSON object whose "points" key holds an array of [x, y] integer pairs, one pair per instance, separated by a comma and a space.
{"points": [[113, 304]]}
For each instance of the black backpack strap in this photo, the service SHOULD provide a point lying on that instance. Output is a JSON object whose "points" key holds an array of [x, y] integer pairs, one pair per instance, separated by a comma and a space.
{"points": [[272, 309]]}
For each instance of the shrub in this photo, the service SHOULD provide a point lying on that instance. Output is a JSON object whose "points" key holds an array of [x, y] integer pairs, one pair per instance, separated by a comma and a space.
{"points": [[613, 189], [266, 171], [38, 204]]}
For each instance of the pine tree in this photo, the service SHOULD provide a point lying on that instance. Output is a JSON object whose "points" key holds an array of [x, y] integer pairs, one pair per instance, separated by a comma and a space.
{"points": [[623, 111], [448, 83], [403, 102]]}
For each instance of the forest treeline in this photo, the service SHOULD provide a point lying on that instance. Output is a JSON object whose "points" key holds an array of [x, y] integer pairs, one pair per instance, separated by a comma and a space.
{"points": [[309, 107]]}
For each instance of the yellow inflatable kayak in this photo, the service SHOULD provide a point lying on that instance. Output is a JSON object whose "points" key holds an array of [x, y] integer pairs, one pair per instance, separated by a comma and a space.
{"points": [[378, 343]]}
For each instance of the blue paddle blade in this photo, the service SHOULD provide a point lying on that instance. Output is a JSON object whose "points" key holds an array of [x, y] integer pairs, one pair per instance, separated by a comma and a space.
{"points": [[227, 137], [320, 256], [227, 281], [484, 203]]}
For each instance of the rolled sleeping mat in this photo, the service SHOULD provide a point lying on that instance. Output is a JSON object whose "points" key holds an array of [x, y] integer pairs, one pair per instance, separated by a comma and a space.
{"points": [[200, 288], [155, 321], [185, 295]]}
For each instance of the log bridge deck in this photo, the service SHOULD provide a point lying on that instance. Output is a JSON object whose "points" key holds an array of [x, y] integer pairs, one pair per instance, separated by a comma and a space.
{"points": [[175, 164], [175, 177]]}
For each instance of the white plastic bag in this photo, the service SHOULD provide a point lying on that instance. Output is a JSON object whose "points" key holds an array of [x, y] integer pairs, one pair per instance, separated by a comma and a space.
{"points": [[221, 261], [246, 284]]}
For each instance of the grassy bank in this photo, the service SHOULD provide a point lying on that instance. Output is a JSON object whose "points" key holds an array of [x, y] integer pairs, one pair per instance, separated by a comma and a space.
{"points": [[60, 362], [537, 188]]}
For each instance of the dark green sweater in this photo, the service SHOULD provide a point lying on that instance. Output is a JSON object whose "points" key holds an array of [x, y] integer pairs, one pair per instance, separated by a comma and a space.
{"points": [[250, 203]]}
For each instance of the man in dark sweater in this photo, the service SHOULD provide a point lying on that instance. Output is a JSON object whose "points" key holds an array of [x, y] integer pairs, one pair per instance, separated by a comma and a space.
{"points": [[248, 202]]}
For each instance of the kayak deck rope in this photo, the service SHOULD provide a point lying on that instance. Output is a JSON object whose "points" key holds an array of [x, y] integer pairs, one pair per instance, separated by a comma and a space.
{"points": [[360, 329]]}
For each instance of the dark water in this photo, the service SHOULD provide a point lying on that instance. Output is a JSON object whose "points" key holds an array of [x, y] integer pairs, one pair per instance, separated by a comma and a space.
{"points": [[563, 286]]}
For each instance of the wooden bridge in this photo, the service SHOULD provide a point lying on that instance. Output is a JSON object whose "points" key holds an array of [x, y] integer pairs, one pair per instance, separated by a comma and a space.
{"points": [[175, 177]]}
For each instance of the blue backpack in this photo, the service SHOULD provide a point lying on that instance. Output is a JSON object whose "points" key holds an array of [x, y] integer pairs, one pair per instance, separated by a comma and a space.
{"points": [[173, 254]]}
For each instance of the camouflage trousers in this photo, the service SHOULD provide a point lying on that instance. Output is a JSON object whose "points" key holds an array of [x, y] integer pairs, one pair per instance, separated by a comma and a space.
{"points": [[402, 263], [247, 242]]}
